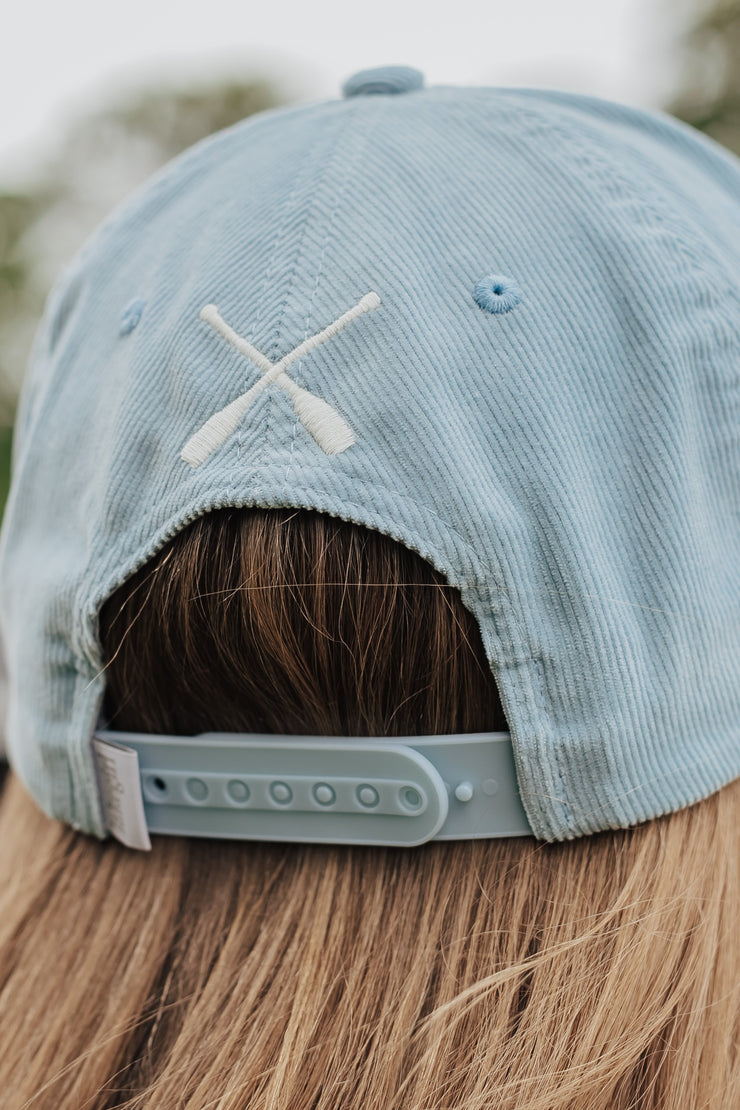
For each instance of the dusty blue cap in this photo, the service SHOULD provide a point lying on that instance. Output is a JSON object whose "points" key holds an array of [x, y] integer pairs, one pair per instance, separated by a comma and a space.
{"points": [[499, 325]]}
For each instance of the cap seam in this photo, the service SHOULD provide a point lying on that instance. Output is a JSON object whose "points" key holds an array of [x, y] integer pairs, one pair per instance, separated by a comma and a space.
{"points": [[682, 237], [322, 177], [272, 344], [366, 135]]}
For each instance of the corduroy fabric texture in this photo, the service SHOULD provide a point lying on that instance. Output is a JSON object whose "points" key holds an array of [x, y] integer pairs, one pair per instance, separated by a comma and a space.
{"points": [[571, 464]]}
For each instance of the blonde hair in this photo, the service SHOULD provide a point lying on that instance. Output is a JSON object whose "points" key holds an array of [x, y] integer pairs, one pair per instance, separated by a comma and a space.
{"points": [[597, 973]]}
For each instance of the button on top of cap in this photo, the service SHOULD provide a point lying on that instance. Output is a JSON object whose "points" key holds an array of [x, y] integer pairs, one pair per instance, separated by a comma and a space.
{"points": [[383, 80]]}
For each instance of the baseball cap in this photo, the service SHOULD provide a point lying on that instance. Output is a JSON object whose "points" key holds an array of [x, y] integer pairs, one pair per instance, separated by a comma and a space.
{"points": [[499, 325]]}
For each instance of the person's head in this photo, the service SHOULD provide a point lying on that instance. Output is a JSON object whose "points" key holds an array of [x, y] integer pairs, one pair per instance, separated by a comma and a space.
{"points": [[600, 973], [375, 454]]}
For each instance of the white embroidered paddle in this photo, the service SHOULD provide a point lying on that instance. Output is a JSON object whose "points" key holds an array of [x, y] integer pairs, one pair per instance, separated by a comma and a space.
{"points": [[324, 423]]}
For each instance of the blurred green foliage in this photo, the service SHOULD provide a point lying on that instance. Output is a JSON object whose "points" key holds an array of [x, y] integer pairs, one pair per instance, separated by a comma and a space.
{"points": [[174, 121], [6, 436], [18, 299], [710, 94]]}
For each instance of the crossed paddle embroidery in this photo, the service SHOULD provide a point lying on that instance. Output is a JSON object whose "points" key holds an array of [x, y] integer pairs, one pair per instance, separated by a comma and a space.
{"points": [[327, 427]]}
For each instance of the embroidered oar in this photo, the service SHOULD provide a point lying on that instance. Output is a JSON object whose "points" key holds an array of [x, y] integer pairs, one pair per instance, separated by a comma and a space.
{"points": [[323, 422]]}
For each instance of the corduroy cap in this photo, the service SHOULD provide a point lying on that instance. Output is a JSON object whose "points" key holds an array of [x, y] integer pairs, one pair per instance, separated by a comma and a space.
{"points": [[499, 325]]}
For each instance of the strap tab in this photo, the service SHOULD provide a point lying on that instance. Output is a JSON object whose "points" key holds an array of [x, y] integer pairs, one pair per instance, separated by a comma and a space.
{"points": [[325, 790], [120, 786]]}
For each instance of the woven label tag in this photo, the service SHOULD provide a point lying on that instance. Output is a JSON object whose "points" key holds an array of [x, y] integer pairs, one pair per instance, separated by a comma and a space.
{"points": [[120, 788]]}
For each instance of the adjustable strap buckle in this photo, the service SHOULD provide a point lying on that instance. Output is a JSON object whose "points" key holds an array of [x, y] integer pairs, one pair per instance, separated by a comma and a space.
{"points": [[310, 789]]}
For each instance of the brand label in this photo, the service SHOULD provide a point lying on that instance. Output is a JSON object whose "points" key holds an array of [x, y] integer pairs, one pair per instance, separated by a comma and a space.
{"points": [[120, 787]]}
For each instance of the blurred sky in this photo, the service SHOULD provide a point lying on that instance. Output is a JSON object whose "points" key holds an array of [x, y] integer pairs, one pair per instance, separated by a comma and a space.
{"points": [[60, 58]]}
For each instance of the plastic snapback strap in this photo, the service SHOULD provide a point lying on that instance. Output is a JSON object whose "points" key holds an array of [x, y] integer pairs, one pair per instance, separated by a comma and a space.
{"points": [[309, 789]]}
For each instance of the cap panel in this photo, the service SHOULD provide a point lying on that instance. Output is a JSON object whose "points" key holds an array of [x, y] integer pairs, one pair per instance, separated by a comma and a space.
{"points": [[82, 445]]}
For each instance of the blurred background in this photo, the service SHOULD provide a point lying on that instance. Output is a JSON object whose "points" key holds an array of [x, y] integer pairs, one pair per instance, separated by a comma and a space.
{"points": [[96, 97]]}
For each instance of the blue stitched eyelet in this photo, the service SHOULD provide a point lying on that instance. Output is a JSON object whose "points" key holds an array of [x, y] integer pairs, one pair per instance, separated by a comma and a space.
{"points": [[496, 293], [131, 316]]}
